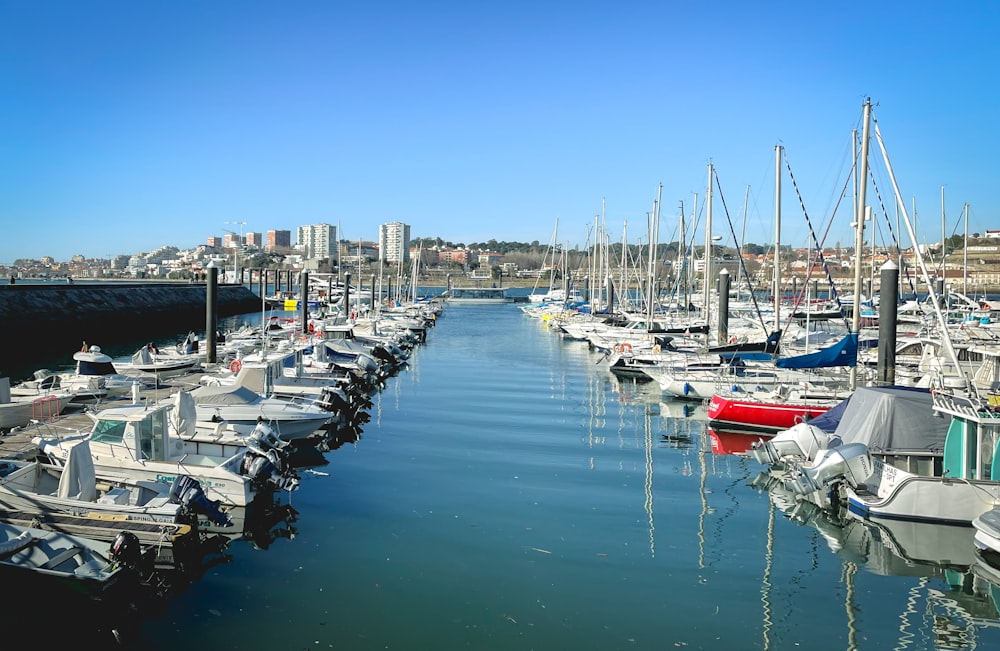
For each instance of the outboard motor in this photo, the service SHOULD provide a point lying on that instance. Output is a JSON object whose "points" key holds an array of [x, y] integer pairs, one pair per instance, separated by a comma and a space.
{"points": [[380, 353], [262, 472], [187, 491], [263, 438], [851, 462], [126, 550], [334, 399], [802, 442]]}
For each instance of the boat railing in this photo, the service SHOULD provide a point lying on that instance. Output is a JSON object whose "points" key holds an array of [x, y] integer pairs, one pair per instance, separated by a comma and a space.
{"points": [[971, 409]]}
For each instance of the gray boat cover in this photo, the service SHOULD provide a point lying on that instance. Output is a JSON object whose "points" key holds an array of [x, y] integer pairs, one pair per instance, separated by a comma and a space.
{"points": [[225, 395], [893, 419]]}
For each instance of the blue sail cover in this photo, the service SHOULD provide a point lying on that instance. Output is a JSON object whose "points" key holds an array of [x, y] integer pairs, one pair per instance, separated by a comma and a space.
{"points": [[844, 353]]}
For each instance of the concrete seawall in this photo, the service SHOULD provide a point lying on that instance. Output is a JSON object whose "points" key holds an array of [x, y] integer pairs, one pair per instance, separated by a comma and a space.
{"points": [[44, 322]]}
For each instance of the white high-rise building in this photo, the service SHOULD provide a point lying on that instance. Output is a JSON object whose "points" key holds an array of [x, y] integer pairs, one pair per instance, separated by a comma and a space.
{"points": [[394, 242], [318, 241]]}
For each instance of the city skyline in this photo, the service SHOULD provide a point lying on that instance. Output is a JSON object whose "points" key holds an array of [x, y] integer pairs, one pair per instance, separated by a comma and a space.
{"points": [[128, 126]]}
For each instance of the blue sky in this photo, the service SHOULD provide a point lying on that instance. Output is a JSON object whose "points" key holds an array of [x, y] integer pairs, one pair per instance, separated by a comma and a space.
{"points": [[129, 125]]}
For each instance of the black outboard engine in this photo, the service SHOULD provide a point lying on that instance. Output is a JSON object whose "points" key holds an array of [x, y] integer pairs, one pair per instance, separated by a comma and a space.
{"points": [[187, 491], [263, 473], [126, 550]]}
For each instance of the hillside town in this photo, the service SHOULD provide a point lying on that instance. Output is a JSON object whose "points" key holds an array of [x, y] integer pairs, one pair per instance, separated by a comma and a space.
{"points": [[971, 266]]}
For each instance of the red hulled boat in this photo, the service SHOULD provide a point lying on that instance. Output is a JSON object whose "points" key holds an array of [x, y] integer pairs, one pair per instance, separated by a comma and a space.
{"points": [[768, 415]]}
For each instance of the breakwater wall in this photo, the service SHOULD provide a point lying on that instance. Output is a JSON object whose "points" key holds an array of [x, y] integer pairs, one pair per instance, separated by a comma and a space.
{"points": [[44, 322]]}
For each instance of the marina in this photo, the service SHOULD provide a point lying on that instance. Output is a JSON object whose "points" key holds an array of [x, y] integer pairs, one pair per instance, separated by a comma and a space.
{"points": [[510, 492]]}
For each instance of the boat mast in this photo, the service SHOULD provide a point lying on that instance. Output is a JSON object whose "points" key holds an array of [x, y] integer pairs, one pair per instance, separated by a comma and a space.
{"points": [[743, 239], [777, 237], [932, 295], [965, 255], [944, 242], [654, 234], [859, 232], [708, 251]]}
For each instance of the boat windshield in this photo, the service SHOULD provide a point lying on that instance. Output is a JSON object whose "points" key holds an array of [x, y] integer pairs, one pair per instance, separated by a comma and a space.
{"points": [[108, 431]]}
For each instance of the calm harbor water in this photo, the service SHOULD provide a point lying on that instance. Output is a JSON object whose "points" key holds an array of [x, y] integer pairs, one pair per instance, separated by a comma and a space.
{"points": [[510, 493]]}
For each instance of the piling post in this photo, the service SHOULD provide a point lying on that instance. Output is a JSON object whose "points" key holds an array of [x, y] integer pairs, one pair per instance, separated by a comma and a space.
{"points": [[724, 281], [304, 301], [887, 310], [347, 294], [211, 310]]}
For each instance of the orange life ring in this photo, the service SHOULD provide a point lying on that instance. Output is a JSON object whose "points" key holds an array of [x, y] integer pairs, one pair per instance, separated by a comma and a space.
{"points": [[235, 366], [625, 347]]}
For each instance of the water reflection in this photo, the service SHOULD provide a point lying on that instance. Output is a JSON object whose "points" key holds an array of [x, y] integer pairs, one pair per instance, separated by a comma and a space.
{"points": [[731, 441], [956, 593]]}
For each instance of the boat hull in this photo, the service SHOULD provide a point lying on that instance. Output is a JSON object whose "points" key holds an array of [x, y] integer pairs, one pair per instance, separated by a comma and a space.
{"points": [[730, 412]]}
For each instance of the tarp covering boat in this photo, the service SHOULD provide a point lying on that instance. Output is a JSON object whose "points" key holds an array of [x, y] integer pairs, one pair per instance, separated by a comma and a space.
{"points": [[224, 395], [843, 353], [892, 419]]}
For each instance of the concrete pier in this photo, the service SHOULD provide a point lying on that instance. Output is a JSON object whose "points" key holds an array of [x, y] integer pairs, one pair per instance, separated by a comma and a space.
{"points": [[48, 320]]}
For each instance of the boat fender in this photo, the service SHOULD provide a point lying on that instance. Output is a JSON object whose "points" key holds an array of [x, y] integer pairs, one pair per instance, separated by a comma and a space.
{"points": [[235, 366], [732, 339], [687, 388], [126, 551]]}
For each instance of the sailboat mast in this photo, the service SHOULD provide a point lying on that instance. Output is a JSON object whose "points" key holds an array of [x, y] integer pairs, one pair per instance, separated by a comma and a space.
{"points": [[965, 255], [777, 237], [654, 234], [708, 250], [932, 294], [944, 241], [859, 231]]}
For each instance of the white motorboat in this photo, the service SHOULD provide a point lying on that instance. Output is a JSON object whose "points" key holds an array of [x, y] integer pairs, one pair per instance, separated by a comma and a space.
{"points": [[164, 363], [987, 536], [243, 408], [138, 442], [39, 488], [911, 473], [281, 374], [93, 379], [19, 410]]}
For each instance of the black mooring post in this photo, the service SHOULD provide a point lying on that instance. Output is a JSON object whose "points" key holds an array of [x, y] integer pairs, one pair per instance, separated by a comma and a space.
{"points": [[304, 300], [211, 311], [888, 301], [724, 281]]}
